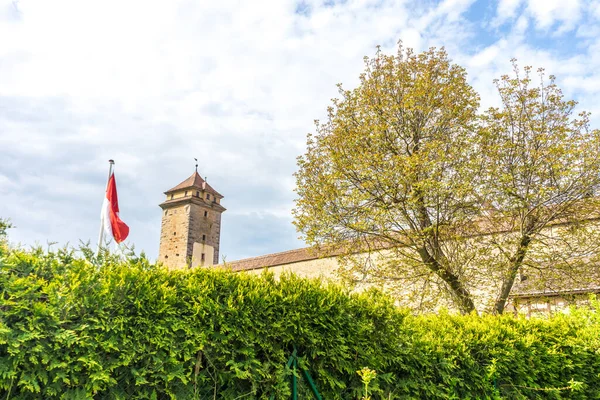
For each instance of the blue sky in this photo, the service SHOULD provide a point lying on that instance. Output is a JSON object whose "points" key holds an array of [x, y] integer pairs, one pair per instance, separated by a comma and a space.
{"points": [[236, 84]]}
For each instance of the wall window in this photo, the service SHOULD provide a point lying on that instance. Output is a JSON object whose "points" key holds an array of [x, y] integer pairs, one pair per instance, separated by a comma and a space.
{"points": [[203, 238], [197, 194], [174, 233], [202, 257], [207, 196], [171, 197], [206, 213], [185, 193]]}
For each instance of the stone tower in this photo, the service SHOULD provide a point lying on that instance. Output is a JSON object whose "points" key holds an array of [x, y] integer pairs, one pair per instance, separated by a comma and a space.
{"points": [[191, 224]]}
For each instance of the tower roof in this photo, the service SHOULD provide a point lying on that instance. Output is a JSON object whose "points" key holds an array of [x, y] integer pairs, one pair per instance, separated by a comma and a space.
{"points": [[195, 181]]}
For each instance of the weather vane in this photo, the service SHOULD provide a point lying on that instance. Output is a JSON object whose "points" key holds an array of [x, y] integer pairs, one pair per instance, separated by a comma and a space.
{"points": [[196, 164]]}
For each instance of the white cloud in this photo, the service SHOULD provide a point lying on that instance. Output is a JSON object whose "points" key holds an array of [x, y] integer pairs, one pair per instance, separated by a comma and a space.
{"points": [[237, 84], [594, 8], [452, 10], [548, 12], [507, 9], [554, 17]]}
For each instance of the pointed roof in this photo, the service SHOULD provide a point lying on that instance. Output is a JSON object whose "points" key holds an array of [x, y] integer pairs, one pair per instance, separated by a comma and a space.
{"points": [[195, 181]]}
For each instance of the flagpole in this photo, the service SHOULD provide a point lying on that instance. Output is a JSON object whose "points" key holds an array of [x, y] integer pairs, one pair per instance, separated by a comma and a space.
{"points": [[111, 164]]}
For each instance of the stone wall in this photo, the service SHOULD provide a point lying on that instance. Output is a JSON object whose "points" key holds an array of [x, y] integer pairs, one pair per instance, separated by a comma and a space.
{"points": [[204, 228], [318, 268], [203, 255], [188, 221], [551, 303], [173, 250], [483, 284]]}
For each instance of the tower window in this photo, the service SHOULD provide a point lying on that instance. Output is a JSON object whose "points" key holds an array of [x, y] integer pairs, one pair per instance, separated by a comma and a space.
{"points": [[207, 196], [185, 193], [206, 213], [197, 194], [177, 255], [171, 197], [202, 257], [203, 238], [174, 233]]}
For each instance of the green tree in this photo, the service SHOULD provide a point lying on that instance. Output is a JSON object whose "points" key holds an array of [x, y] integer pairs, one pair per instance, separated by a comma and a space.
{"points": [[542, 169], [4, 226], [392, 168], [416, 191]]}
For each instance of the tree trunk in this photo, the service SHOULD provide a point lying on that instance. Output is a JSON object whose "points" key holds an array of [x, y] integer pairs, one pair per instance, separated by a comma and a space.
{"points": [[434, 261], [509, 281], [459, 292]]}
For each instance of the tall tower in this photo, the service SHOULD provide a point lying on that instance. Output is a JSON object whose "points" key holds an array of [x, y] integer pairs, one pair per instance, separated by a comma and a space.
{"points": [[191, 224]]}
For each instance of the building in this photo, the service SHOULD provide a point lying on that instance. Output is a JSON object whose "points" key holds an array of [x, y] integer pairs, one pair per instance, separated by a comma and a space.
{"points": [[526, 297], [191, 224], [190, 237], [555, 295]]}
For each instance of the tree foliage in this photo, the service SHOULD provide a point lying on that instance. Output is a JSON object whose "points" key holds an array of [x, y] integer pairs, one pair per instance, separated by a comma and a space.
{"points": [[4, 226], [386, 168], [127, 329], [542, 168], [411, 186]]}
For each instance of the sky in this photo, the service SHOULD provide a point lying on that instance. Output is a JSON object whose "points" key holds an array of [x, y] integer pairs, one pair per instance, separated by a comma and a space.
{"points": [[236, 84]]}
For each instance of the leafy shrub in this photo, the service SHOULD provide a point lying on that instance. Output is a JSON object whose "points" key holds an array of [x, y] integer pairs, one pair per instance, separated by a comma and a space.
{"points": [[127, 329]]}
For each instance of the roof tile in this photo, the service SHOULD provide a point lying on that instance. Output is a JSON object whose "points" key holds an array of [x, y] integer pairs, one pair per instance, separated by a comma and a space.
{"points": [[195, 181], [272, 260]]}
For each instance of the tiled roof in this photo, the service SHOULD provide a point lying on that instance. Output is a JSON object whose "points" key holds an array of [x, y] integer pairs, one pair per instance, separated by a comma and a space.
{"points": [[583, 280], [527, 288], [275, 259], [556, 292], [195, 181]]}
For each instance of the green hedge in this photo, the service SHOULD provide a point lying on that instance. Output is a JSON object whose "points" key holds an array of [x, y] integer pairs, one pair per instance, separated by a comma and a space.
{"points": [[130, 330]]}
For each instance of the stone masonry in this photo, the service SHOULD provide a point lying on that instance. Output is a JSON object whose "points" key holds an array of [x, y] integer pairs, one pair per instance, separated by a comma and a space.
{"points": [[191, 215]]}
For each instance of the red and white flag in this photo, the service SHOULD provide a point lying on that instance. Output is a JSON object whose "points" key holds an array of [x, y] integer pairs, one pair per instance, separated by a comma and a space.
{"points": [[111, 223]]}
